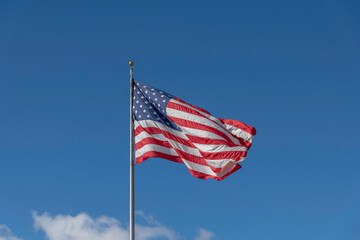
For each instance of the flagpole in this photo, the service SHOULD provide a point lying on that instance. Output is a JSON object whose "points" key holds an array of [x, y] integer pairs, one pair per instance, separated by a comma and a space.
{"points": [[132, 195]]}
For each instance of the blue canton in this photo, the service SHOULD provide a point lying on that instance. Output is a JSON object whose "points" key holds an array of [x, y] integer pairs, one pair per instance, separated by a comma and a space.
{"points": [[150, 104]]}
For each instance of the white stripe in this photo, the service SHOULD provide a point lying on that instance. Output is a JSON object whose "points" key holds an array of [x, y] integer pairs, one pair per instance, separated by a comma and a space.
{"points": [[201, 133], [239, 133], [197, 119], [218, 148], [156, 148], [219, 163], [144, 135], [155, 124]]}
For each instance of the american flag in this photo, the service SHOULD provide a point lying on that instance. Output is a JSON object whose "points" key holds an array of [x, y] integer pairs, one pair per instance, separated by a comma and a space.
{"points": [[167, 127]]}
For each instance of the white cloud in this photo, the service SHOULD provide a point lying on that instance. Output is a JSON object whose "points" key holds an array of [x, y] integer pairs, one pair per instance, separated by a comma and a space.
{"points": [[205, 235], [83, 227], [148, 218], [6, 234]]}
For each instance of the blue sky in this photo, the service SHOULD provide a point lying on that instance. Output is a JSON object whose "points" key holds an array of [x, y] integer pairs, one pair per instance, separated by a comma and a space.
{"points": [[291, 69]]}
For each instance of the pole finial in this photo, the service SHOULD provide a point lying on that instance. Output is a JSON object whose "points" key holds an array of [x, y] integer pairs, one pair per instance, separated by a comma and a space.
{"points": [[131, 63]]}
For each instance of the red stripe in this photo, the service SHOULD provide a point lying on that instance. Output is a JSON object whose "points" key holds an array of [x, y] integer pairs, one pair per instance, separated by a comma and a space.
{"points": [[153, 130], [240, 125], [150, 140], [183, 108], [235, 155], [244, 143], [200, 109], [151, 154]]}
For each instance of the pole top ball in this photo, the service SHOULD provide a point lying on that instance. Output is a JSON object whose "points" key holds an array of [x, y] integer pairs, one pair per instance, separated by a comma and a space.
{"points": [[131, 63]]}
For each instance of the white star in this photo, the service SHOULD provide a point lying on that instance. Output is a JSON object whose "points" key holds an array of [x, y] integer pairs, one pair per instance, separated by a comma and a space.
{"points": [[148, 116], [168, 123], [137, 101], [139, 116], [146, 102], [162, 96], [150, 107], [159, 104], [141, 106], [134, 97], [161, 91], [144, 86], [154, 112], [155, 99], [135, 111], [158, 118], [142, 97], [133, 107], [163, 111], [153, 93], [138, 84], [164, 100], [144, 110], [146, 91], [138, 92], [152, 89]]}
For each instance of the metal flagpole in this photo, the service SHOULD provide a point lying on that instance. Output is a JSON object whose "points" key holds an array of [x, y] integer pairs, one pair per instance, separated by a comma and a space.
{"points": [[132, 195]]}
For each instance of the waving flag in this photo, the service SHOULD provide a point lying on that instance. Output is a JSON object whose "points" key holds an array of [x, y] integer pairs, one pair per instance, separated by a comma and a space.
{"points": [[167, 127]]}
